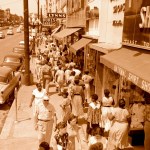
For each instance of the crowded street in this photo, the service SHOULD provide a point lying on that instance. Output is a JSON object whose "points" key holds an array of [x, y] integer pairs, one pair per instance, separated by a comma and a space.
{"points": [[74, 75]]}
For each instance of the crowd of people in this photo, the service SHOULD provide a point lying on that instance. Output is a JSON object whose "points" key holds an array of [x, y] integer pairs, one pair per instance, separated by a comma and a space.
{"points": [[107, 126]]}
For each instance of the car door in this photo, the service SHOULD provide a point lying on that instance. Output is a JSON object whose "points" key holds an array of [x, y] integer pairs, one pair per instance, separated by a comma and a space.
{"points": [[12, 82]]}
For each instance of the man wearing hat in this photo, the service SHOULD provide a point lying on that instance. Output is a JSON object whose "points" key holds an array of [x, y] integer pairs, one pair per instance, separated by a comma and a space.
{"points": [[45, 117]]}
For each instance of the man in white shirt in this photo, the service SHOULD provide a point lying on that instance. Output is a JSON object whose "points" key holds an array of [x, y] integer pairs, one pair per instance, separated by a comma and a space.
{"points": [[45, 117]]}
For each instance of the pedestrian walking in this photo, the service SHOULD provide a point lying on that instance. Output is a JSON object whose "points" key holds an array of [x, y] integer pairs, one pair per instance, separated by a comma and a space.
{"points": [[46, 74], [77, 99], [65, 107], [97, 137], [73, 131], [61, 141], [107, 107], [87, 90], [67, 75], [45, 119], [118, 134], [60, 79], [93, 115], [37, 96]]}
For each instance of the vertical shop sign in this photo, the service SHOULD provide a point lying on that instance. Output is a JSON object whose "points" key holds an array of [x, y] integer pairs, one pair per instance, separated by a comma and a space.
{"points": [[136, 29]]}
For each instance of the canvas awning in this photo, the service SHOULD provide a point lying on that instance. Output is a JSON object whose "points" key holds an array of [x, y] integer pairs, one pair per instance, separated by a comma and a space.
{"points": [[56, 30], [79, 44], [65, 32], [133, 64]]}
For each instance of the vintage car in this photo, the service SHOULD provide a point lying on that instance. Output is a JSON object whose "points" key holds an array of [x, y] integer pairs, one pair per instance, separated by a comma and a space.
{"points": [[9, 80], [19, 50], [18, 30], [10, 32], [14, 61], [2, 35]]}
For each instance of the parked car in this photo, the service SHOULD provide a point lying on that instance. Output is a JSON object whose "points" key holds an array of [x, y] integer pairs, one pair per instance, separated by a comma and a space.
{"points": [[19, 50], [21, 43], [10, 32], [2, 35], [14, 61], [18, 30], [9, 80]]}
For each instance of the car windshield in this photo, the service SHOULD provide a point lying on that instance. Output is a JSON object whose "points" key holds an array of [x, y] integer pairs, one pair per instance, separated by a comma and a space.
{"points": [[11, 59], [3, 79]]}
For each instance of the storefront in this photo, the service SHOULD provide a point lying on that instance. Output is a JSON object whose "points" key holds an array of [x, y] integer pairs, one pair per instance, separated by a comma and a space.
{"points": [[96, 68], [78, 51], [126, 71]]}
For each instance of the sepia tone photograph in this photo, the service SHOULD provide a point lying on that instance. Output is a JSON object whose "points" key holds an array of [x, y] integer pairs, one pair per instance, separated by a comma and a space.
{"points": [[74, 74]]}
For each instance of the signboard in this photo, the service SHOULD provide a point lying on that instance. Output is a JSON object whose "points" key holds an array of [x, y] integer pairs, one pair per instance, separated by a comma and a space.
{"points": [[49, 21], [143, 84], [136, 30], [56, 15]]}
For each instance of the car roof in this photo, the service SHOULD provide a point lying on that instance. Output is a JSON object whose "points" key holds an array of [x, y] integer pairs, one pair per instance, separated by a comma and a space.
{"points": [[19, 47], [4, 71], [13, 55]]}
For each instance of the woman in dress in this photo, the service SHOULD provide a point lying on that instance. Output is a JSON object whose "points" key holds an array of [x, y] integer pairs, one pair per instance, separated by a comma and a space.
{"points": [[87, 79], [65, 107], [93, 115], [107, 107], [73, 130], [37, 96], [118, 134], [77, 99]]}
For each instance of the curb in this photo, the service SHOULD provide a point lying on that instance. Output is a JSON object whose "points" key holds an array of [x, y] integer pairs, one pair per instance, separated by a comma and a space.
{"points": [[8, 122]]}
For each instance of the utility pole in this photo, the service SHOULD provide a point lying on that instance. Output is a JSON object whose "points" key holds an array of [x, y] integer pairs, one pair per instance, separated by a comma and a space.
{"points": [[26, 74], [41, 19], [38, 3]]}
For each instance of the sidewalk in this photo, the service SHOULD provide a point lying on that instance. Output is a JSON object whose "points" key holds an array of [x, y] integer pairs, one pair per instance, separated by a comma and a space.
{"points": [[18, 133]]}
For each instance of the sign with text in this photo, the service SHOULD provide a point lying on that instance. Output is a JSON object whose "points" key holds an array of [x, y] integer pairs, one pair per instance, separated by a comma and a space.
{"points": [[143, 84], [136, 30], [49, 21], [56, 15]]}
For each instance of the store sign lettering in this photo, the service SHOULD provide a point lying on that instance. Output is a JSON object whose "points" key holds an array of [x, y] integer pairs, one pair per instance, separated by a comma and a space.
{"points": [[119, 8], [116, 10], [130, 41], [133, 78], [120, 71], [117, 23], [145, 17], [145, 86]]}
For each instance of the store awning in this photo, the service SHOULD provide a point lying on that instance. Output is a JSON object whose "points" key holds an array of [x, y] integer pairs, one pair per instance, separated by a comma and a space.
{"points": [[79, 44], [56, 30], [133, 64], [104, 47], [65, 32]]}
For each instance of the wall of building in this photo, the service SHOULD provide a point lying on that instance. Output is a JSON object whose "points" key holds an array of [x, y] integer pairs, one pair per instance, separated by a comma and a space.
{"points": [[111, 21], [76, 13], [93, 22]]}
